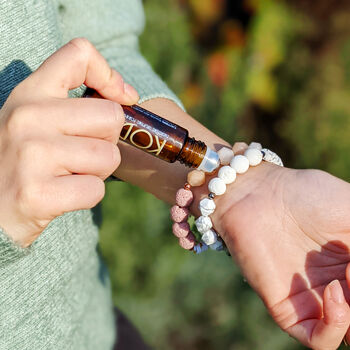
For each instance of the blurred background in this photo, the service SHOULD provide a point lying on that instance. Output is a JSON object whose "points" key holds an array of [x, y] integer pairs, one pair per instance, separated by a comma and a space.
{"points": [[272, 71]]}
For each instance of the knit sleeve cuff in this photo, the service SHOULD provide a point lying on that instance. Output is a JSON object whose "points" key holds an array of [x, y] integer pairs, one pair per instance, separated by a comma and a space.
{"points": [[9, 250], [137, 72]]}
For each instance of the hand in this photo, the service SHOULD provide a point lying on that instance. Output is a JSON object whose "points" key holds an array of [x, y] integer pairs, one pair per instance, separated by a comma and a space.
{"points": [[55, 152], [289, 230]]}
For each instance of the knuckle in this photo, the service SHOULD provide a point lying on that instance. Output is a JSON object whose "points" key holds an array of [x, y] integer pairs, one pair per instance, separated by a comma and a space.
{"points": [[21, 120], [80, 42], [112, 154], [29, 197], [96, 148], [116, 158], [32, 150], [31, 147], [116, 117], [120, 116], [106, 154], [112, 159], [82, 45]]}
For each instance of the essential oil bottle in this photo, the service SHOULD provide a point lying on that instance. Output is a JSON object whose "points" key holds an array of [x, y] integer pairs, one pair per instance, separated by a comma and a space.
{"points": [[163, 139]]}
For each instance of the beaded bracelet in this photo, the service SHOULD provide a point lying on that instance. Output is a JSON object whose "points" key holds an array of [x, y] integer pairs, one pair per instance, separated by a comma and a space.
{"points": [[232, 165]]}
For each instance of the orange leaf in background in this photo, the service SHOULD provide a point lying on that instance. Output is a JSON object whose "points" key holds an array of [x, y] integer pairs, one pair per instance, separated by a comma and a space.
{"points": [[232, 33], [207, 11], [251, 5], [218, 69]]}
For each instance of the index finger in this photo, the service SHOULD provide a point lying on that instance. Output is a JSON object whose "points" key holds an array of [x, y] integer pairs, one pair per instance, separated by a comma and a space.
{"points": [[76, 63]]}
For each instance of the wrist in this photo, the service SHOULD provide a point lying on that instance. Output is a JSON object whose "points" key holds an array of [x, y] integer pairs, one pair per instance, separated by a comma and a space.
{"points": [[245, 187], [234, 162]]}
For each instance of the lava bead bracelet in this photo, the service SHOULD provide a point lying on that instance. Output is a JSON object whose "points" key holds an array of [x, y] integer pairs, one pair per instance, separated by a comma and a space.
{"points": [[206, 237]]}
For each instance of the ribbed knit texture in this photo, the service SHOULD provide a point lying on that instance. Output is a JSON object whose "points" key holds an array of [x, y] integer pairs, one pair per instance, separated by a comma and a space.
{"points": [[56, 294]]}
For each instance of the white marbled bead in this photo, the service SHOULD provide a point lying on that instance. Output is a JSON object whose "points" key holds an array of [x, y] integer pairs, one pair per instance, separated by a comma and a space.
{"points": [[240, 164], [216, 246], [256, 145], [203, 224], [217, 186], [209, 237], [225, 154], [227, 174], [207, 206], [254, 156]]}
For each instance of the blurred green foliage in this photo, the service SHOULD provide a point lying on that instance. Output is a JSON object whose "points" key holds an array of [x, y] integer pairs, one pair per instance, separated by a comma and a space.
{"points": [[253, 70]]}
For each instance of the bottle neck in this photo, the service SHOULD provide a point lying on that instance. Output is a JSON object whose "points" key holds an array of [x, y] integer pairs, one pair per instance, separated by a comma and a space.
{"points": [[192, 153]]}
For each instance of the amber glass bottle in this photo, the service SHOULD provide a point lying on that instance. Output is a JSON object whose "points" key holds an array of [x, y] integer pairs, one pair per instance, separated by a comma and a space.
{"points": [[163, 139]]}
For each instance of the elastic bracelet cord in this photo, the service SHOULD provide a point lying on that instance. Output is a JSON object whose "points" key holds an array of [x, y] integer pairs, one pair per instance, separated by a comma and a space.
{"points": [[202, 235]]}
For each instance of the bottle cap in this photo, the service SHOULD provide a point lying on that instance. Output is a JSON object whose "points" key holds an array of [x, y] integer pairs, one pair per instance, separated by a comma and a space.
{"points": [[210, 162]]}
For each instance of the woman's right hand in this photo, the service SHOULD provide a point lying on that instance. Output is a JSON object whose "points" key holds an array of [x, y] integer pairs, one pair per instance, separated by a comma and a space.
{"points": [[55, 152]]}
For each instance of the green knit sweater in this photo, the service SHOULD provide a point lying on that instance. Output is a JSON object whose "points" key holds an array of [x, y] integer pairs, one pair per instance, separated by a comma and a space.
{"points": [[56, 294]]}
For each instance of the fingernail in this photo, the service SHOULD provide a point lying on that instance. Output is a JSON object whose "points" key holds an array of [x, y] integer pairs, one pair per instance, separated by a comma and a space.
{"points": [[336, 292], [131, 92]]}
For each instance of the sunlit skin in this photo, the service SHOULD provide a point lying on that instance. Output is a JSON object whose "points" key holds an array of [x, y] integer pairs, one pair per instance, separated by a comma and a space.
{"points": [[55, 152], [289, 230]]}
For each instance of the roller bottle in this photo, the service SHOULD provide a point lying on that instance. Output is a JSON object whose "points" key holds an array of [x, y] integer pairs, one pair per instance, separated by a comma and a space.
{"points": [[163, 139]]}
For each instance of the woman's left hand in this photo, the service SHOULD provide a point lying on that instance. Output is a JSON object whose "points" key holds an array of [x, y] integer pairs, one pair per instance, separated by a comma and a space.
{"points": [[289, 230]]}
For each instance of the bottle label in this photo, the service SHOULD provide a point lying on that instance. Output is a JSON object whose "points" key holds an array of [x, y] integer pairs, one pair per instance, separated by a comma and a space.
{"points": [[142, 138]]}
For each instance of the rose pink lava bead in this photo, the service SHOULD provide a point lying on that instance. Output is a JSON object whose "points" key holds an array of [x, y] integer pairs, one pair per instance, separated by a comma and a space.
{"points": [[181, 229], [184, 197], [179, 214], [188, 241]]}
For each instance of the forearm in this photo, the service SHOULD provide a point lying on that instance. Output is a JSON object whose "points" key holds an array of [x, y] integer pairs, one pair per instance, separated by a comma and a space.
{"points": [[152, 174]]}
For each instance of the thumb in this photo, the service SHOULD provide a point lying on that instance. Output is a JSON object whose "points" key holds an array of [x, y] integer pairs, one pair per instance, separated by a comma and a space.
{"points": [[76, 63]]}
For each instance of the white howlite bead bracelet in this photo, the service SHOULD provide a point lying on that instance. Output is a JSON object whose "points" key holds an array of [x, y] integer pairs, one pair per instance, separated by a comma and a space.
{"points": [[207, 206], [254, 156], [217, 186], [209, 237], [227, 174], [204, 224], [240, 164]]}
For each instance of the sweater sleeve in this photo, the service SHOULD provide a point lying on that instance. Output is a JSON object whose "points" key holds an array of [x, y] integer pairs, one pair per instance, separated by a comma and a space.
{"points": [[9, 250], [114, 28], [134, 68]]}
